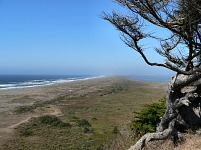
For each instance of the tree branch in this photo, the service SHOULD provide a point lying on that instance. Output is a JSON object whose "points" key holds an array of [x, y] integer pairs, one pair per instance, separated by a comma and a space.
{"points": [[154, 136]]}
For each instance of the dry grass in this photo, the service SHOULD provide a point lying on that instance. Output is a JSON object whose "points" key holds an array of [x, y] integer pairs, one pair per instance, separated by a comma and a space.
{"points": [[190, 141], [106, 104]]}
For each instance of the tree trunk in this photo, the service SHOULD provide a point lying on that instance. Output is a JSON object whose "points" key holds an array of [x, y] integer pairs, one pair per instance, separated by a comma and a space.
{"points": [[183, 109]]}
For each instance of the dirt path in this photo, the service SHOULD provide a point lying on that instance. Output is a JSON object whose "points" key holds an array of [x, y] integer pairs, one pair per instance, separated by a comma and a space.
{"points": [[13, 121], [56, 112]]}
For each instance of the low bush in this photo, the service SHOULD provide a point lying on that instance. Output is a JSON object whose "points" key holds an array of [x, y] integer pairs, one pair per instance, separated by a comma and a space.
{"points": [[115, 130], [146, 120], [83, 123], [24, 109], [53, 121], [88, 130], [26, 133]]}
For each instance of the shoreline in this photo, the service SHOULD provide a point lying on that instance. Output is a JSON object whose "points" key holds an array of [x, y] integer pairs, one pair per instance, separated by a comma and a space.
{"points": [[55, 82], [15, 94]]}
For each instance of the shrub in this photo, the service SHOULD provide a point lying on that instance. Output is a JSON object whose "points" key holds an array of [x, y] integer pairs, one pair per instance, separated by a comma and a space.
{"points": [[24, 109], [147, 119], [83, 122], [53, 121], [86, 130], [115, 130], [26, 133], [94, 119]]}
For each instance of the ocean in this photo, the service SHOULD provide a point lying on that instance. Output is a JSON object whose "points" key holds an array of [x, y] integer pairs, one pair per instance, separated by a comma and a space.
{"points": [[23, 81]]}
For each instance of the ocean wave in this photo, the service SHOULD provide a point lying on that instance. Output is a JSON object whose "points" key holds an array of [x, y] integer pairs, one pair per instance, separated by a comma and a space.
{"points": [[42, 82], [6, 85]]}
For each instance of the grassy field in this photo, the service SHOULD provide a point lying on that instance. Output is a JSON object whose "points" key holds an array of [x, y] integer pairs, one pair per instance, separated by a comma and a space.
{"points": [[94, 115]]}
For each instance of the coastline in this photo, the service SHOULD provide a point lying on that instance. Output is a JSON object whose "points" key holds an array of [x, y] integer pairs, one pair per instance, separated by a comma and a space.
{"points": [[12, 94], [64, 98], [44, 82]]}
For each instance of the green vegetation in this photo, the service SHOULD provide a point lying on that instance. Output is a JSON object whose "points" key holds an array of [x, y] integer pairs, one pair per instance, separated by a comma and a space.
{"points": [[83, 122], [88, 130], [23, 109], [26, 133], [53, 121], [115, 130], [147, 119]]}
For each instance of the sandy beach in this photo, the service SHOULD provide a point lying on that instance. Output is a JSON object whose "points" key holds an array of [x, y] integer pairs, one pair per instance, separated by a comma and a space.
{"points": [[93, 98]]}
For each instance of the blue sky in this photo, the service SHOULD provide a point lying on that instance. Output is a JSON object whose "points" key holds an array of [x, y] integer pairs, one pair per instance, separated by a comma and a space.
{"points": [[64, 37]]}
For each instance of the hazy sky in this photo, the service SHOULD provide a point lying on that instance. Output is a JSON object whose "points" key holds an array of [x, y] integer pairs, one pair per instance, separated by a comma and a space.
{"points": [[64, 37]]}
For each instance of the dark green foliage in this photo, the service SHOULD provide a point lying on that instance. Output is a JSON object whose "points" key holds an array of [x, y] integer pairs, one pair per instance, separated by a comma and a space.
{"points": [[101, 147], [88, 130], [147, 119], [94, 119], [24, 109], [53, 121], [26, 133], [75, 118], [83, 122], [115, 130]]}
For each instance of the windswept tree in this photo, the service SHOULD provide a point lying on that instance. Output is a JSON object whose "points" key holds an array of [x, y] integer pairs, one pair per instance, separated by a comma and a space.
{"points": [[179, 45]]}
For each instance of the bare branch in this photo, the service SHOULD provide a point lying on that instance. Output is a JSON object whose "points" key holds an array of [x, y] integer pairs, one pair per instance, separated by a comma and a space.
{"points": [[180, 18]]}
